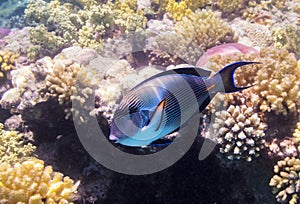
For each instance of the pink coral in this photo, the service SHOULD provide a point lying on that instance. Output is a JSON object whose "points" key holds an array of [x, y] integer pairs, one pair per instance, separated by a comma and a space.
{"points": [[225, 49]]}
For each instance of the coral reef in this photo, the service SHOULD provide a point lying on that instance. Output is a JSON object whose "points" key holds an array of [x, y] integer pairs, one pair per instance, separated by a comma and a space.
{"points": [[182, 8], [172, 43], [288, 38], [32, 182], [68, 81], [12, 147], [240, 132], [7, 63], [85, 27], [230, 8], [206, 27], [286, 181]]}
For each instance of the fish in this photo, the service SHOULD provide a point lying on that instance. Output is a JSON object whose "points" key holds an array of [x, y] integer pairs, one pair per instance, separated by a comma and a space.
{"points": [[161, 104]]}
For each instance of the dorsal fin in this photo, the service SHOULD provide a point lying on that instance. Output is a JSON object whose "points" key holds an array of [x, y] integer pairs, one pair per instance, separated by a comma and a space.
{"points": [[195, 71]]}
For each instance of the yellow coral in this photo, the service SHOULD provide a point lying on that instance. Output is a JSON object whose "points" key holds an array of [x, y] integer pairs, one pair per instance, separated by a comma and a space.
{"points": [[286, 180], [7, 62], [31, 182], [205, 27], [12, 148], [183, 8]]}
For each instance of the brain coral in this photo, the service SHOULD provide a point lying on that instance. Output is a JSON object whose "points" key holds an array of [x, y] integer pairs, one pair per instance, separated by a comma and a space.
{"points": [[286, 180], [12, 147], [206, 27], [276, 79], [31, 182]]}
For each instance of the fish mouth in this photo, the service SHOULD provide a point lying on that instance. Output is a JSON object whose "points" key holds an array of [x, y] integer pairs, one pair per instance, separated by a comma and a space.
{"points": [[113, 138]]}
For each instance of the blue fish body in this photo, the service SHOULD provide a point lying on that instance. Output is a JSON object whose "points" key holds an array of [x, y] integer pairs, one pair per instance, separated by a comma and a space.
{"points": [[159, 105]]}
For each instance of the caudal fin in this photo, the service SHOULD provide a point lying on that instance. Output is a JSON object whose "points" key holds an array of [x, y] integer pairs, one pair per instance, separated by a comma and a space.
{"points": [[227, 75]]}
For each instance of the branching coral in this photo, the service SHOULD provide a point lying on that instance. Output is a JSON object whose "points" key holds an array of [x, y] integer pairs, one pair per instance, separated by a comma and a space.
{"points": [[240, 132], [286, 182], [32, 182], [12, 147], [7, 62], [206, 28], [69, 81]]}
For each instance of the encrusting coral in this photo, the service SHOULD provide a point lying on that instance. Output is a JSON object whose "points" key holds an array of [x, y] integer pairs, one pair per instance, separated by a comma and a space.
{"points": [[206, 27], [7, 62], [12, 147], [32, 182], [286, 182]]}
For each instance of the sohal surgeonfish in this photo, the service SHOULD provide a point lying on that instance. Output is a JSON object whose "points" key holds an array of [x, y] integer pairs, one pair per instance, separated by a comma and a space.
{"points": [[159, 105]]}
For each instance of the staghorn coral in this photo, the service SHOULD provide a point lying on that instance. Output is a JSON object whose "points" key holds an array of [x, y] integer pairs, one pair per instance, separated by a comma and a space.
{"points": [[239, 129], [276, 79], [32, 182], [7, 62], [286, 180], [12, 147], [205, 27]]}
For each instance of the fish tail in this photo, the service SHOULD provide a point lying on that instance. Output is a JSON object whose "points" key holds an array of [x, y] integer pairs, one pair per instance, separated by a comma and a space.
{"points": [[227, 75]]}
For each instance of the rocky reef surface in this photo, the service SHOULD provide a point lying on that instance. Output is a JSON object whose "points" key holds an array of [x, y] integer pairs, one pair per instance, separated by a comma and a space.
{"points": [[55, 54]]}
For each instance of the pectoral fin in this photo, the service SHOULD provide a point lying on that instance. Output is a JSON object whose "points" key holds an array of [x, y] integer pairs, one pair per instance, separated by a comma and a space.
{"points": [[157, 116]]}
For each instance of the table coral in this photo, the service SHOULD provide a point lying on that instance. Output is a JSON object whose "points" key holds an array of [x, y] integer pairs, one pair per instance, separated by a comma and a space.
{"points": [[286, 180], [32, 182], [206, 27], [7, 62], [12, 147]]}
